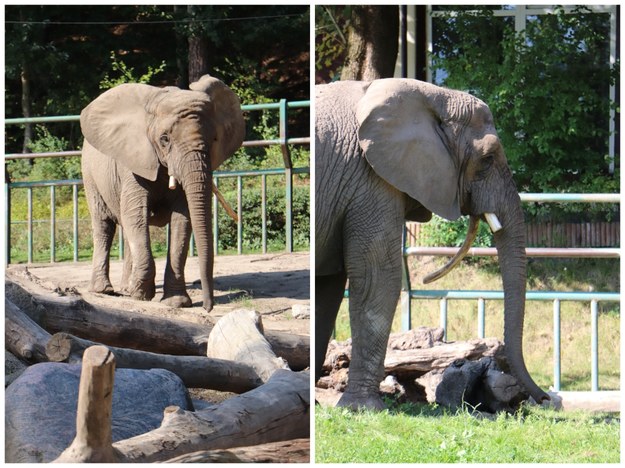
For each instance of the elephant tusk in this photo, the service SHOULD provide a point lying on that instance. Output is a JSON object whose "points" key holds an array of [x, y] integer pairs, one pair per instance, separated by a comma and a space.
{"points": [[466, 245], [172, 182], [224, 203], [493, 222]]}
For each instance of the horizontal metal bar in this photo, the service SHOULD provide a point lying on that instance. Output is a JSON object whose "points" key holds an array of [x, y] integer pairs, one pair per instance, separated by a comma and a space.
{"points": [[55, 118], [571, 197], [54, 154], [277, 141], [45, 183], [75, 118], [67, 154], [529, 295], [530, 251]]}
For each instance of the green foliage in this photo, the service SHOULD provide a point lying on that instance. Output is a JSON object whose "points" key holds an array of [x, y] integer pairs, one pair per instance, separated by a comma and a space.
{"points": [[276, 219], [440, 232], [127, 74], [430, 434], [548, 91]]}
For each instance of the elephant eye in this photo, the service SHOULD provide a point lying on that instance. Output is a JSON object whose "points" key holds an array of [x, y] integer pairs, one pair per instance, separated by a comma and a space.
{"points": [[164, 140], [485, 164]]}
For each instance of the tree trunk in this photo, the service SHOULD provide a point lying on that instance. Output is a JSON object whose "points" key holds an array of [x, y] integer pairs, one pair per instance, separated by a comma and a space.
{"points": [[26, 108], [198, 53], [372, 43], [238, 336], [22, 336], [288, 451], [194, 371], [278, 410], [126, 329]]}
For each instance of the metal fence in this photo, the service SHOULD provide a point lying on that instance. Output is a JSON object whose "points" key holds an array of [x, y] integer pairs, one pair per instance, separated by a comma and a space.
{"points": [[557, 297], [288, 171]]}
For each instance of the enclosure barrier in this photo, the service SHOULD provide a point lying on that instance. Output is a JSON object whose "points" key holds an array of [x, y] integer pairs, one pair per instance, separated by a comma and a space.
{"points": [[481, 296], [284, 141]]}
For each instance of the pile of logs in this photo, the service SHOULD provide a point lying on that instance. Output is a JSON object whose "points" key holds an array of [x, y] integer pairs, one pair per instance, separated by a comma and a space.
{"points": [[267, 421], [420, 366]]}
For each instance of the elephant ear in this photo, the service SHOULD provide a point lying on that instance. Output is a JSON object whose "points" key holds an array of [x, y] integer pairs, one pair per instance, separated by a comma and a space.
{"points": [[116, 124], [402, 138], [227, 115]]}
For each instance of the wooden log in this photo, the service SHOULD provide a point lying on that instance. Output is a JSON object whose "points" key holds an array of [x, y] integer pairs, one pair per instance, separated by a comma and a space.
{"points": [[238, 336], [288, 451], [93, 441], [278, 410], [194, 371], [412, 363], [22, 336], [127, 329]]}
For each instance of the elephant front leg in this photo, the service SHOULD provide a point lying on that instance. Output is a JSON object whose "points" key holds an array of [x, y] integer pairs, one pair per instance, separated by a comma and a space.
{"points": [[374, 272], [175, 288], [140, 283]]}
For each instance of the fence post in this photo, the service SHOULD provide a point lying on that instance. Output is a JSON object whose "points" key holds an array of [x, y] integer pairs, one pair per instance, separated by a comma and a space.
{"points": [[75, 220], [7, 191], [288, 166], [30, 224], [263, 204], [240, 220], [215, 218], [52, 223], [481, 318], [556, 345], [594, 345], [443, 317]]}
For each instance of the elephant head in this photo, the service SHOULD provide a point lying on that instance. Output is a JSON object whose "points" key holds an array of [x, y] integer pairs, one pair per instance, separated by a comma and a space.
{"points": [[189, 133], [440, 147]]}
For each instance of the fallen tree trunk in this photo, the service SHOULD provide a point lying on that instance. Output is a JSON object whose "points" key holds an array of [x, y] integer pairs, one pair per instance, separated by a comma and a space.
{"points": [[22, 336], [276, 411], [126, 329], [288, 451], [194, 371], [412, 363], [238, 337]]}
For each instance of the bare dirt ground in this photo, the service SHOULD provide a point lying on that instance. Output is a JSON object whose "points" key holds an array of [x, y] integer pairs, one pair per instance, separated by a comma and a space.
{"points": [[270, 284]]}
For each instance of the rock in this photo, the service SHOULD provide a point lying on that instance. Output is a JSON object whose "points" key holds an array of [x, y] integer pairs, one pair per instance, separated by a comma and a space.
{"points": [[13, 368], [300, 311], [417, 338], [40, 408]]}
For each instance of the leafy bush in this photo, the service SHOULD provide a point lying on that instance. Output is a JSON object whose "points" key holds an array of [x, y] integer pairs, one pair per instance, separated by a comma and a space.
{"points": [[548, 91]]}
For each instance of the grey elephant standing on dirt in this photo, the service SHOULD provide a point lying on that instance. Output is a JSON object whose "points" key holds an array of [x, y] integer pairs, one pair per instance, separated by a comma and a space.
{"points": [[391, 150], [148, 158]]}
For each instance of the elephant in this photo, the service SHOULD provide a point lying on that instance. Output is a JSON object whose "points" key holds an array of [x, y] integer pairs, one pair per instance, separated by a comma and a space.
{"points": [[388, 151], [147, 159]]}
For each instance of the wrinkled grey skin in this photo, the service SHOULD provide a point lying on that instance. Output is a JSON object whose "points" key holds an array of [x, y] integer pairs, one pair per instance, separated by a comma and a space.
{"points": [[136, 137], [392, 150]]}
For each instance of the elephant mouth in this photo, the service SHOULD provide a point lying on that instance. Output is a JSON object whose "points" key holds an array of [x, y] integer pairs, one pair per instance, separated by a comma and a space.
{"points": [[474, 223]]}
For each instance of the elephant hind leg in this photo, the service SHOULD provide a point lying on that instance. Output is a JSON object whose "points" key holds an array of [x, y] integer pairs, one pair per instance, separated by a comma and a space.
{"points": [[329, 292], [103, 232]]}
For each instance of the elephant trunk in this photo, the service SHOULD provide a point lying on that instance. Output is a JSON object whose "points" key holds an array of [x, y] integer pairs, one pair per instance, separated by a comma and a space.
{"points": [[510, 243], [196, 180]]}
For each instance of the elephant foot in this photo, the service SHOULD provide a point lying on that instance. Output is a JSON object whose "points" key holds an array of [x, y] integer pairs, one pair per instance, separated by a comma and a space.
{"points": [[358, 401], [177, 300], [101, 286], [142, 291]]}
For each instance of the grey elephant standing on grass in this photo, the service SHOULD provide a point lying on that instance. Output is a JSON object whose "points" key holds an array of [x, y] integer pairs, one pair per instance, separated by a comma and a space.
{"points": [[148, 158], [393, 150]]}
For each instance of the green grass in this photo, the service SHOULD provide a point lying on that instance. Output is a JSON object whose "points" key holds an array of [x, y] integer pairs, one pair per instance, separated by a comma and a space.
{"points": [[420, 433]]}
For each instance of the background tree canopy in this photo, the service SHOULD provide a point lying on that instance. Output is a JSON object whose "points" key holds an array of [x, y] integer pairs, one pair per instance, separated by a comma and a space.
{"points": [[548, 89], [60, 57]]}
